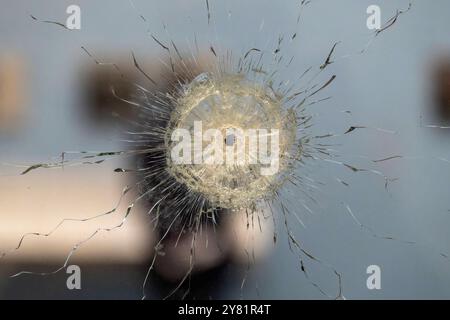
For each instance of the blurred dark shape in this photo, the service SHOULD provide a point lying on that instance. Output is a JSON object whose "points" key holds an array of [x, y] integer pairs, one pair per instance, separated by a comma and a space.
{"points": [[12, 91], [105, 88], [168, 83], [441, 87], [211, 247]]}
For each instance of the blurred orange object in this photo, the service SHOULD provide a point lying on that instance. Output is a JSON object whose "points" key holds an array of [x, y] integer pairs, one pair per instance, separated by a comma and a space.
{"points": [[39, 201], [12, 91]]}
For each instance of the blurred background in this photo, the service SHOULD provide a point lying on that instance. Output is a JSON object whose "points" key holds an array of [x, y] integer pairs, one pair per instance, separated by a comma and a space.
{"points": [[55, 98]]}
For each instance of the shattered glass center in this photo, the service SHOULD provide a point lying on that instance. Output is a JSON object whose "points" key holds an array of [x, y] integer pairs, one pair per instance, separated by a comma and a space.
{"points": [[223, 102]]}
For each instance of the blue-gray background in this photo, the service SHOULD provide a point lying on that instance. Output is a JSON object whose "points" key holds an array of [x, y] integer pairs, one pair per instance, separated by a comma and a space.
{"points": [[386, 87]]}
